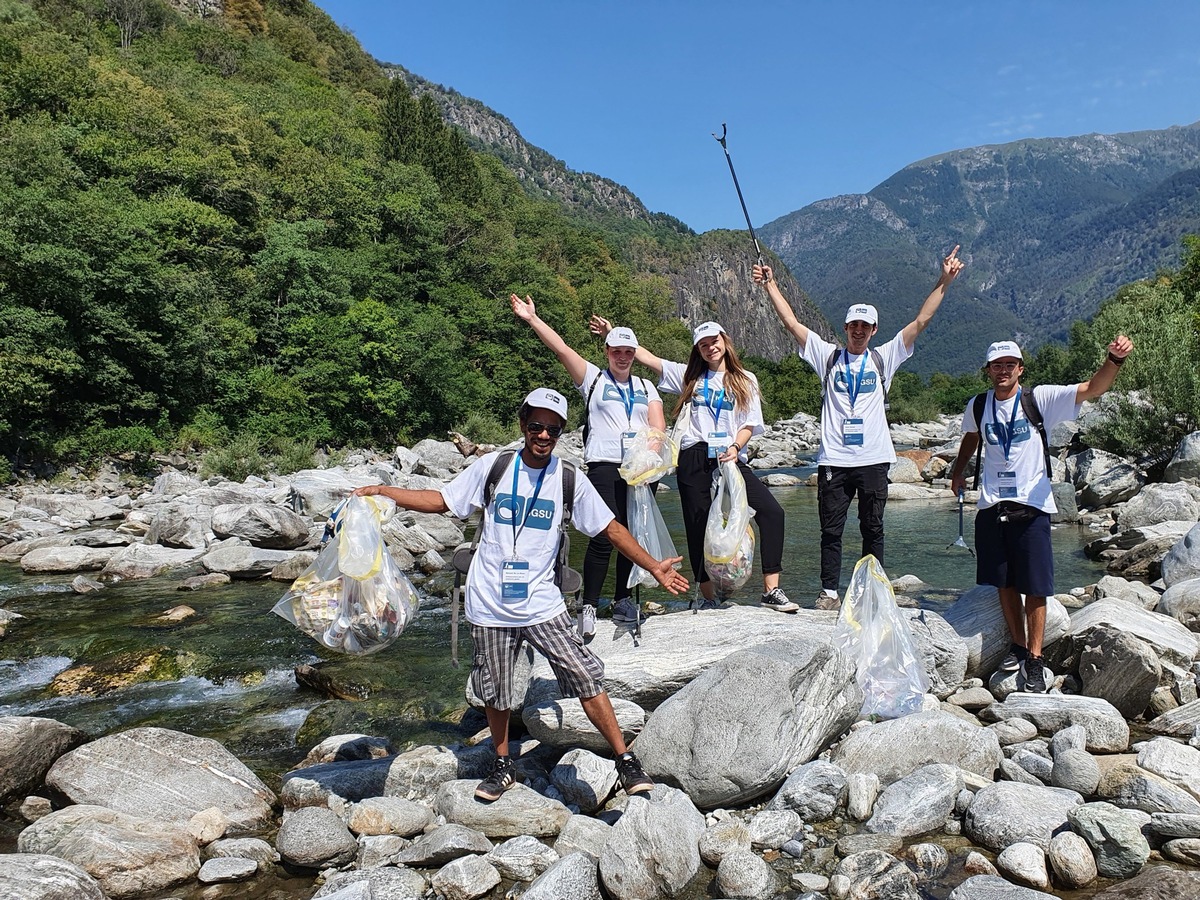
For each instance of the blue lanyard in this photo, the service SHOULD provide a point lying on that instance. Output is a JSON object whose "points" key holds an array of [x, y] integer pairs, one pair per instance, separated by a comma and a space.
{"points": [[628, 404], [537, 489], [714, 409], [1007, 438], [853, 386]]}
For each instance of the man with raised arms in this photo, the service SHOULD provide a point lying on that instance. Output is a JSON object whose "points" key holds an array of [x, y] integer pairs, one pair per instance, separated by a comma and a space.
{"points": [[856, 446]]}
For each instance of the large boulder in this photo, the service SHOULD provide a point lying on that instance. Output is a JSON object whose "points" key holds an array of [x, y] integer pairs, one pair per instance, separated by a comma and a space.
{"points": [[1106, 730], [1119, 667], [37, 876], [181, 524], [29, 745], [1185, 464], [1103, 479], [1172, 643], [148, 560], [262, 524], [1181, 601], [1182, 561], [563, 723], [1157, 503], [1007, 812], [1178, 763], [57, 560], [653, 850], [918, 803], [242, 560], [892, 749], [734, 733], [993, 887], [978, 619], [574, 875], [165, 775], [128, 855], [74, 507], [520, 810]]}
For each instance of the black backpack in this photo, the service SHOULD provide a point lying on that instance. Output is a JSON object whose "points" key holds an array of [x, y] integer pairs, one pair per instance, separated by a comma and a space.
{"points": [[876, 357], [1032, 413], [567, 579]]}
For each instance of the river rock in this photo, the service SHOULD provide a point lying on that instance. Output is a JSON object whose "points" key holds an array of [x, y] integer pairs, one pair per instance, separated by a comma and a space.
{"points": [[1180, 722], [56, 560], [1111, 587], [1071, 860], [1174, 645], [942, 651], [1119, 667], [242, 560], [148, 560], [1182, 561], [563, 723], [747, 875], [1183, 850], [315, 837], [385, 883], [1174, 825], [930, 860], [894, 748], [520, 810], [874, 873], [1013, 731], [722, 838], [653, 849], [574, 876], [1103, 479], [38, 876], [815, 791], [993, 887], [583, 834], [1177, 763], [200, 582], [465, 878], [1157, 503], [862, 789], [1115, 839], [163, 774], [905, 471], [1006, 812], [1182, 602], [262, 524], [389, 815], [255, 849], [439, 459], [521, 858], [183, 524], [225, 870], [918, 803], [1185, 464], [128, 855], [772, 828], [29, 746], [977, 618], [1143, 560], [732, 734], [443, 844], [1025, 863], [1075, 770], [584, 779], [1132, 787], [1106, 730], [75, 507]]}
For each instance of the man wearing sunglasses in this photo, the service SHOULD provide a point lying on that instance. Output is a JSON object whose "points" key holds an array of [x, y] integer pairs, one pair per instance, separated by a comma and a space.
{"points": [[1012, 528], [511, 596]]}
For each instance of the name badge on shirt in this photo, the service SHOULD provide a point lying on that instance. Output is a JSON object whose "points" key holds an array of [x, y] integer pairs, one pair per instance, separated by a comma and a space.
{"points": [[514, 579], [852, 432], [718, 443], [627, 439], [1008, 485]]}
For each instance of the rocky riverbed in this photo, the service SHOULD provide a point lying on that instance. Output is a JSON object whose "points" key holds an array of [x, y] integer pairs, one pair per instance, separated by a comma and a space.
{"points": [[770, 786]]}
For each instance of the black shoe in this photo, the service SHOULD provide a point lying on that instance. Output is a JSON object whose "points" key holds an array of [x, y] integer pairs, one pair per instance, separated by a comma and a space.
{"points": [[626, 612], [1036, 675], [1013, 659], [777, 600], [504, 775], [633, 779]]}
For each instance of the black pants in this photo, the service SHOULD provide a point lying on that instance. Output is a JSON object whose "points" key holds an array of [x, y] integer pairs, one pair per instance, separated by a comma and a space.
{"points": [[695, 496], [612, 488], [836, 487]]}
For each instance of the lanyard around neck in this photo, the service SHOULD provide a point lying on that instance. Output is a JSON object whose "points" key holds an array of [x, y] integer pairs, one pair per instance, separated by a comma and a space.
{"points": [[715, 409], [537, 489], [627, 403], [853, 385], [1006, 438]]}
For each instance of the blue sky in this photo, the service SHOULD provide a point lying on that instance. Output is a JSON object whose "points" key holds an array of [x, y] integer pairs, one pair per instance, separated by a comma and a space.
{"points": [[821, 98]]}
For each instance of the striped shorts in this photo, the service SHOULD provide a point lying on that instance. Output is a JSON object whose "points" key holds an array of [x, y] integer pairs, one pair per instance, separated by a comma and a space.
{"points": [[579, 671]]}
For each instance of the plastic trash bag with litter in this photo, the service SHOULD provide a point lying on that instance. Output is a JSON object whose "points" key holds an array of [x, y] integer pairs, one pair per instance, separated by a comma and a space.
{"points": [[650, 531], [650, 455], [728, 537]]}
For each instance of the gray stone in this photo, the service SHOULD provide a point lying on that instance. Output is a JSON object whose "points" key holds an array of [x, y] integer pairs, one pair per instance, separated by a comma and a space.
{"points": [[262, 524], [380, 850], [722, 838], [1181, 601], [1112, 587], [1154, 883], [243, 848], [1174, 645], [34, 808], [654, 847], [929, 860], [1073, 737], [743, 874], [389, 815], [56, 560], [815, 790], [386, 883], [242, 560], [1182, 561], [874, 873], [37, 876], [1181, 722], [522, 858], [1013, 731], [1006, 812], [314, 837], [772, 828], [128, 855], [1071, 860], [993, 887], [465, 878], [1185, 464], [732, 734], [520, 810], [1075, 770], [166, 775], [850, 844], [1106, 730], [573, 876], [563, 723], [1183, 850], [978, 619], [862, 788], [1132, 787], [1104, 479], [443, 844], [1118, 667], [1025, 863], [978, 864], [1116, 841], [584, 779], [1156, 503], [1035, 764], [199, 582], [917, 803], [29, 746], [1013, 772], [1177, 763], [582, 834], [1175, 825], [182, 524], [340, 747], [972, 699], [147, 561], [1066, 509], [226, 869], [894, 748]]}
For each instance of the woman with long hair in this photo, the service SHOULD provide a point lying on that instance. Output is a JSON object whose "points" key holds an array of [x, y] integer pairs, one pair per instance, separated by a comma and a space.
{"points": [[719, 410], [618, 406]]}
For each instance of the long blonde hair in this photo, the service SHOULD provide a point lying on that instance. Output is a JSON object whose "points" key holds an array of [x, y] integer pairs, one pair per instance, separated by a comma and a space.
{"points": [[737, 378]]}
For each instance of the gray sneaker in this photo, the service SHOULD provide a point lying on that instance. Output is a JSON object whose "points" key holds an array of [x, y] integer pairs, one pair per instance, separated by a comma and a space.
{"points": [[587, 622], [827, 600], [777, 600], [626, 612]]}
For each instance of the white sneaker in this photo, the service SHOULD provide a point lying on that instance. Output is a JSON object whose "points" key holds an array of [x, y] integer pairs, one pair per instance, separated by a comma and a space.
{"points": [[587, 621]]}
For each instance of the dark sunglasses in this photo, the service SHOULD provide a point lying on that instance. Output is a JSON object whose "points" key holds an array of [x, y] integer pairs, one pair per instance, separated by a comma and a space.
{"points": [[536, 428]]}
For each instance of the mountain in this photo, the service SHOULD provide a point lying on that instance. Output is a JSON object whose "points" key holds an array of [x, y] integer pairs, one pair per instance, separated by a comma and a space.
{"points": [[1049, 229]]}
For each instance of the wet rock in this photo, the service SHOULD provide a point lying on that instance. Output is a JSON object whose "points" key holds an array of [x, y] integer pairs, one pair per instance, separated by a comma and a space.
{"points": [[1106, 730], [224, 870], [746, 875], [39, 876], [198, 582], [917, 803], [1116, 841], [120, 671], [389, 815], [522, 858], [574, 876], [465, 878], [314, 837], [1132, 787], [174, 615], [993, 887], [874, 873], [128, 855], [654, 847], [1024, 863], [82, 585], [29, 746], [443, 844], [815, 790], [1007, 812], [148, 560], [894, 748], [563, 723], [164, 774], [519, 811]]}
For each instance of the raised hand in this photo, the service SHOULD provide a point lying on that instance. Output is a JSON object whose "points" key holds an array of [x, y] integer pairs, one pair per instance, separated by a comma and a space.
{"points": [[762, 274], [951, 265], [600, 326], [524, 309], [1121, 347]]}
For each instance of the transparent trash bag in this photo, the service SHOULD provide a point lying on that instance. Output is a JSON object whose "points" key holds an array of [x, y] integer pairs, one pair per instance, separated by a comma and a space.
{"points": [[650, 455], [650, 531], [728, 537], [354, 598], [872, 632]]}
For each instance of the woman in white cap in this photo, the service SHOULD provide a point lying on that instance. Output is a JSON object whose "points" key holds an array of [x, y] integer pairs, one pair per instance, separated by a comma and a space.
{"points": [[617, 406], [719, 410]]}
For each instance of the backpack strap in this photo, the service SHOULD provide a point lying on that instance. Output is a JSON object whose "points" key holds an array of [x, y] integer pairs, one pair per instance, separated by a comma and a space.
{"points": [[977, 411], [567, 580], [876, 357], [587, 409], [1030, 408]]}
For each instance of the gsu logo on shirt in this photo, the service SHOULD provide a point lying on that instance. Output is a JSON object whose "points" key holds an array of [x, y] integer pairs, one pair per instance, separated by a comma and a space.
{"points": [[510, 510], [866, 386], [703, 397], [995, 432], [611, 393]]}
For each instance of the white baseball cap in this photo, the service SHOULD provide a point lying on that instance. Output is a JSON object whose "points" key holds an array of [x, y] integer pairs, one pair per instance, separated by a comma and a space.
{"points": [[1001, 349], [706, 330], [545, 398], [862, 312], [621, 337]]}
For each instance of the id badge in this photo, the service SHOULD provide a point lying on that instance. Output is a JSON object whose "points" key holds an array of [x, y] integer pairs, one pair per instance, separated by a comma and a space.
{"points": [[627, 441], [852, 432], [514, 579], [718, 443], [1008, 485]]}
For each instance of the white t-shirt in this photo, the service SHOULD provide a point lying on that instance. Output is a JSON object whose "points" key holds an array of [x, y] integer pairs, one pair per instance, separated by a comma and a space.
{"points": [[617, 408], [712, 408], [1023, 478], [844, 441], [537, 543]]}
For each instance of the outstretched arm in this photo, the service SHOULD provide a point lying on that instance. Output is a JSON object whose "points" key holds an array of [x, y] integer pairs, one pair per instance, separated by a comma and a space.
{"points": [[1107, 373], [417, 501], [575, 364], [764, 276], [662, 570], [951, 266], [600, 326]]}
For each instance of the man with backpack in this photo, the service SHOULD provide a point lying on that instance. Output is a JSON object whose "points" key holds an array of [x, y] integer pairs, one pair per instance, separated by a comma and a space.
{"points": [[856, 446], [512, 593], [1012, 527]]}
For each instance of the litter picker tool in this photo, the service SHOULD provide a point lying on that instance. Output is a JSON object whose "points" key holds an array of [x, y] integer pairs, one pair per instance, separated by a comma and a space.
{"points": [[960, 542], [738, 187]]}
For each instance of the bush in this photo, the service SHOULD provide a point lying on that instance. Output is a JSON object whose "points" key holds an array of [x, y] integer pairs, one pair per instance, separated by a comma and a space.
{"points": [[203, 432], [239, 459], [292, 456], [483, 428], [97, 442], [6, 472]]}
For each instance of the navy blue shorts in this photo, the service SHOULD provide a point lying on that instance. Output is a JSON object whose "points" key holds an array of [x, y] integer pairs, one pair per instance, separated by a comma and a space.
{"points": [[1014, 554]]}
